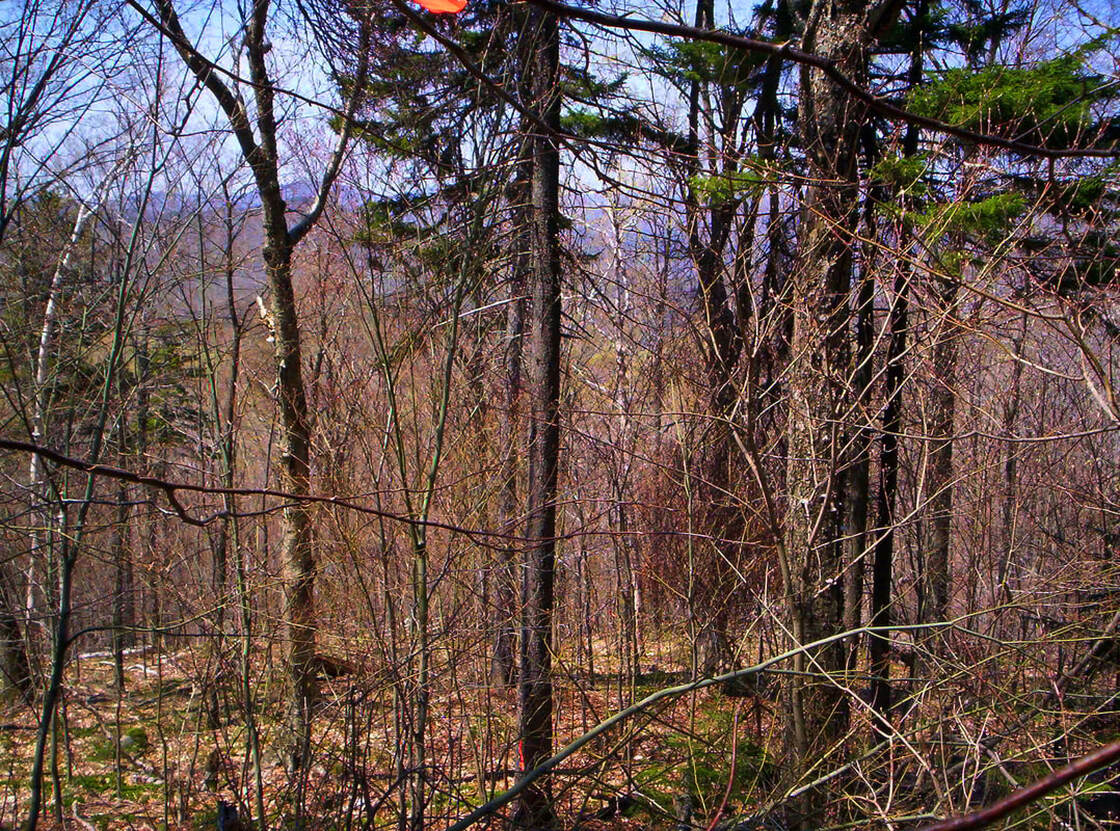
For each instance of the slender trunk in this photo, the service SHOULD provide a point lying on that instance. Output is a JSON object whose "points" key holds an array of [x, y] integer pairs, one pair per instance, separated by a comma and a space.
{"points": [[879, 664], [944, 406], [15, 672], [120, 540], [534, 808], [42, 512], [122, 593], [146, 525], [505, 595], [619, 470], [260, 151], [859, 473], [883, 567], [722, 346], [1009, 565], [296, 547], [72, 546], [297, 544]]}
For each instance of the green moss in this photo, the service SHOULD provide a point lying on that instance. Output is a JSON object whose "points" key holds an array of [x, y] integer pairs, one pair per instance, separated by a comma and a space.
{"points": [[101, 751], [699, 765], [105, 822], [101, 783], [660, 782], [134, 741]]}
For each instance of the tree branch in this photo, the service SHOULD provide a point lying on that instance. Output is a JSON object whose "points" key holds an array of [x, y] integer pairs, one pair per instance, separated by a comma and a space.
{"points": [[828, 67], [1099, 758], [668, 693], [203, 70], [357, 93]]}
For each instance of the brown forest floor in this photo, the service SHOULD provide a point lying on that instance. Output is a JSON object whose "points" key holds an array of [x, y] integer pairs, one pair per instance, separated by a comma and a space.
{"points": [[174, 767], [161, 778]]}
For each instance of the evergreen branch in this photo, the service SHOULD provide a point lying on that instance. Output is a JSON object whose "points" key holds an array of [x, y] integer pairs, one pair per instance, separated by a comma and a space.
{"points": [[825, 65]]}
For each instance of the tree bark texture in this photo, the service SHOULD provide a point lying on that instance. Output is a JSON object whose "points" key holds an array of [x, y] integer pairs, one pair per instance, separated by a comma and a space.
{"points": [[883, 568], [820, 371], [259, 150], [296, 547], [534, 808], [15, 671]]}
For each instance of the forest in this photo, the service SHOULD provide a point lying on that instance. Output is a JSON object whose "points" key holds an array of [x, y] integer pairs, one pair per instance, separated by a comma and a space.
{"points": [[555, 414]]}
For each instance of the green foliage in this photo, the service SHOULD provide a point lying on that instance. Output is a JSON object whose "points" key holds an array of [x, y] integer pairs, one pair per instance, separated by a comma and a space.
{"points": [[1051, 102], [205, 819], [988, 219], [903, 175], [698, 765], [381, 223], [441, 255], [728, 187], [1086, 193], [134, 741], [1081, 195], [100, 783], [907, 31], [982, 28], [1092, 263], [685, 62], [580, 85], [590, 125]]}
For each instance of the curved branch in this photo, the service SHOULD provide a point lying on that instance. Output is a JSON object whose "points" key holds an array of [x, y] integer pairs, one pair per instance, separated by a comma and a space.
{"points": [[171, 490]]}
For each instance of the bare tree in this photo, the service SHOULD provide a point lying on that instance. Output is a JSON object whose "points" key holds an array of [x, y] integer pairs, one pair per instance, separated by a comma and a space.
{"points": [[260, 149]]}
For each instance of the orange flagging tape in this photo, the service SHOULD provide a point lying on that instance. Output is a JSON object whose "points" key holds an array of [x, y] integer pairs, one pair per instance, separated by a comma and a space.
{"points": [[443, 6]]}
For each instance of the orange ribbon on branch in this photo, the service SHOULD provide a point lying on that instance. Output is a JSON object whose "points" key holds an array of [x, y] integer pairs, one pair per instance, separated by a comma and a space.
{"points": [[443, 6]]}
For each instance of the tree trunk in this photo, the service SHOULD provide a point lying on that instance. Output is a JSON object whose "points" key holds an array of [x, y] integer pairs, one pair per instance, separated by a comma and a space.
{"points": [[722, 346], [15, 672], [123, 611], [818, 396], [879, 664], [883, 568], [944, 405], [261, 154], [296, 545], [534, 808], [296, 552], [859, 473], [505, 595], [43, 513]]}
